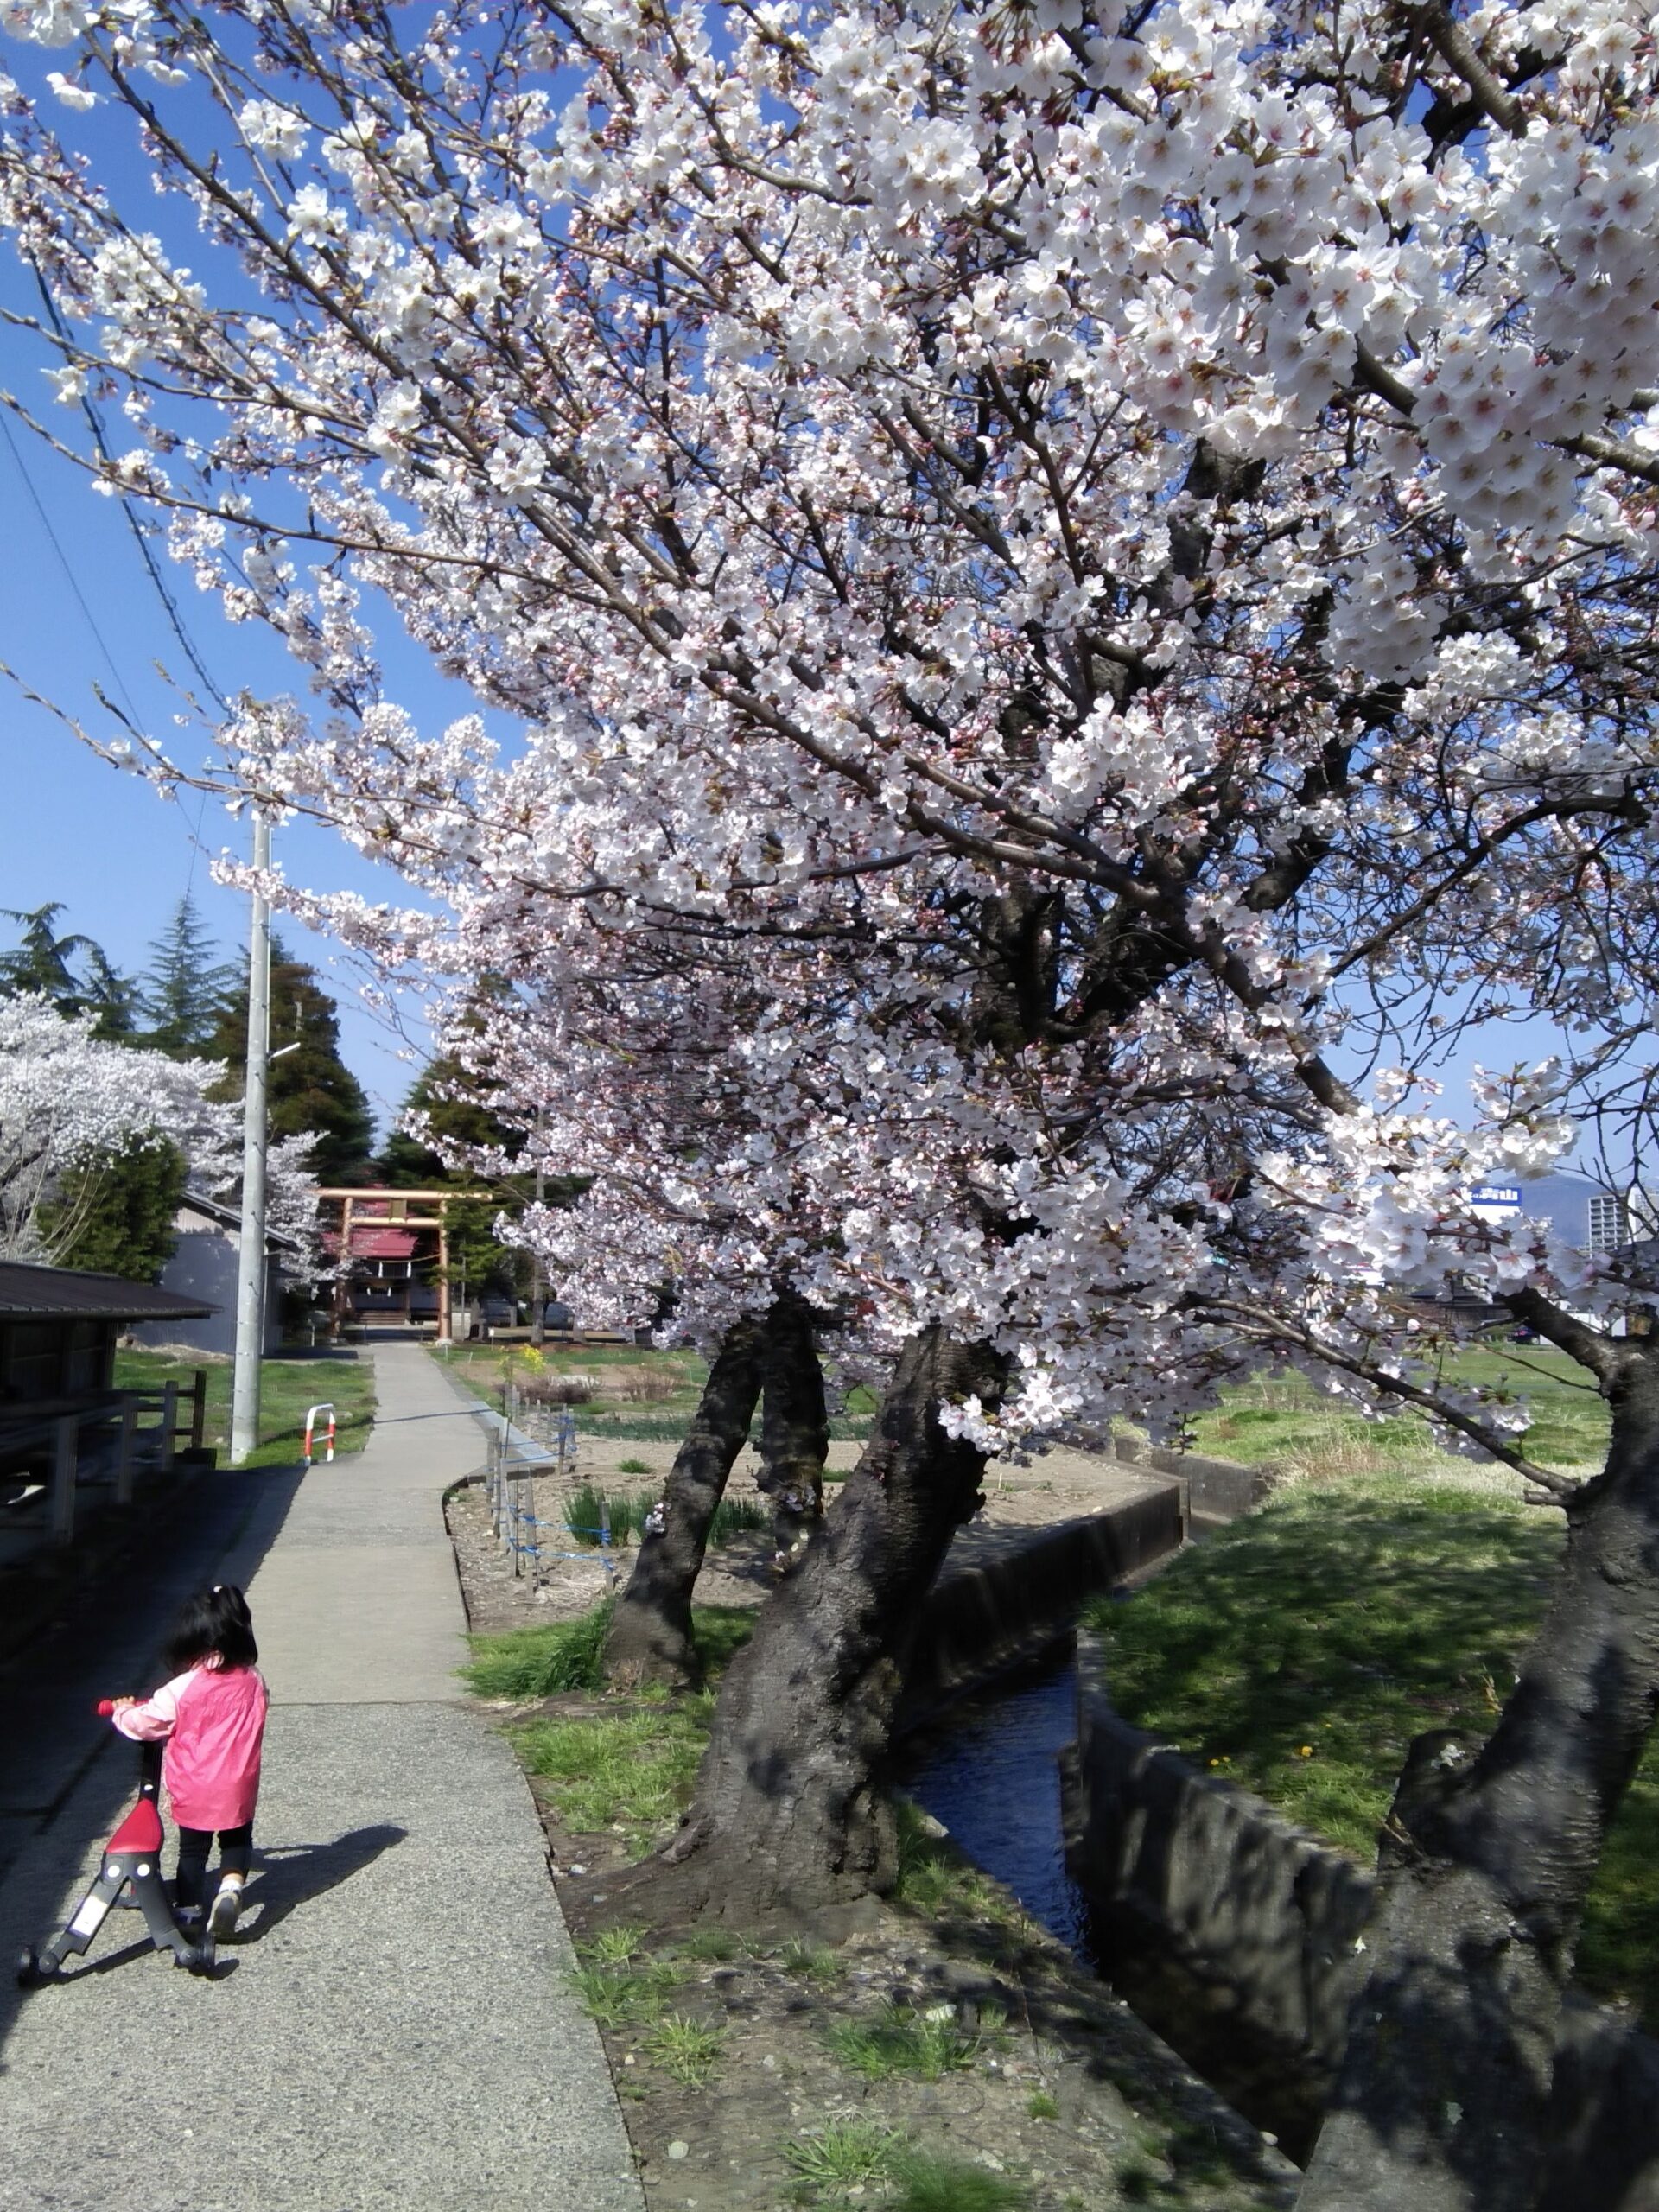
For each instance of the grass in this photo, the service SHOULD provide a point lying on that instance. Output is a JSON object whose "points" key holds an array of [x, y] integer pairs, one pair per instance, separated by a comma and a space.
{"points": [[930, 2183], [524, 1663], [591, 1510], [614, 1947], [1041, 2105], [844, 2154], [287, 1389], [634, 1467], [1285, 1418], [566, 1656], [1298, 1651], [617, 1997], [737, 1516], [896, 2040], [848, 2156], [627, 1772], [935, 1881], [685, 2049], [630, 1773]]}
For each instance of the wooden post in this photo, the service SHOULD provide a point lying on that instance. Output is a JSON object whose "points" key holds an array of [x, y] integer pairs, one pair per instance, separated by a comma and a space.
{"points": [[443, 1271], [125, 1453], [65, 1453], [169, 1422], [343, 1280], [198, 1408]]}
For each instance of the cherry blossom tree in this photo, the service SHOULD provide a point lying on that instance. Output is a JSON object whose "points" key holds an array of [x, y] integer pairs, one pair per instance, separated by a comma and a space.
{"points": [[1099, 564], [70, 1099]]}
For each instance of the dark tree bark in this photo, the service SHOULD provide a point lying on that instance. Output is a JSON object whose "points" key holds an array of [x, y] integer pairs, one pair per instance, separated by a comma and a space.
{"points": [[794, 1428], [649, 1638], [1442, 2101], [789, 1818]]}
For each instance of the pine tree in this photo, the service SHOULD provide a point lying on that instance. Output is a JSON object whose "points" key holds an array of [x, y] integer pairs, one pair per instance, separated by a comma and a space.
{"points": [[115, 1215], [43, 962], [454, 1106], [311, 1089], [184, 985]]}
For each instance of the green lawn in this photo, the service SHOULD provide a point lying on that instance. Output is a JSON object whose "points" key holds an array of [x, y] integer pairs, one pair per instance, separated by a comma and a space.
{"points": [[1298, 1652], [1286, 1419], [287, 1388]]}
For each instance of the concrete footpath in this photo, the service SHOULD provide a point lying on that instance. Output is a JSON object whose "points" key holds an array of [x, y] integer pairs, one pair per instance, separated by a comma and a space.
{"points": [[392, 2030]]}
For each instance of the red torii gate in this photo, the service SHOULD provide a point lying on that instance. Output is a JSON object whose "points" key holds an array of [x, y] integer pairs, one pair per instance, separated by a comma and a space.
{"points": [[396, 1204]]}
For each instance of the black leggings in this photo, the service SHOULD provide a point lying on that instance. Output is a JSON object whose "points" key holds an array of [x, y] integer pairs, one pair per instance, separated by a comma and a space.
{"points": [[235, 1856]]}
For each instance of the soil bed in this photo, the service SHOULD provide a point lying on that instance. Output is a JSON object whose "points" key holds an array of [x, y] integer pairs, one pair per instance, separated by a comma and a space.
{"points": [[948, 2056]]}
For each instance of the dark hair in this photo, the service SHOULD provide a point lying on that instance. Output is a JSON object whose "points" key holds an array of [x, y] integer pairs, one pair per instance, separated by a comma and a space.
{"points": [[213, 1620]]}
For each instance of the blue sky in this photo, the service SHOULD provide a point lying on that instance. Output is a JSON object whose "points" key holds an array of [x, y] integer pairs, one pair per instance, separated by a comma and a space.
{"points": [[75, 829]]}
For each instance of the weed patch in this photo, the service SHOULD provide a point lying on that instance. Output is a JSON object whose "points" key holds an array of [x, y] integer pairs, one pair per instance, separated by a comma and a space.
{"points": [[684, 2048], [897, 2041], [927, 2184], [843, 2155]]}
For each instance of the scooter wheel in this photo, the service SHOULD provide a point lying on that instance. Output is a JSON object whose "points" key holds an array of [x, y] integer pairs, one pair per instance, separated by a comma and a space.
{"points": [[32, 1969]]}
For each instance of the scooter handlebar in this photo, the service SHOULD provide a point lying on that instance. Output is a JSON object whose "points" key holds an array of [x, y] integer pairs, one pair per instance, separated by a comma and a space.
{"points": [[105, 1707]]}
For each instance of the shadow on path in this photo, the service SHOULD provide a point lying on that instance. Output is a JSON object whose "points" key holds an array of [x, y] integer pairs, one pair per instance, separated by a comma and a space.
{"points": [[289, 1875]]}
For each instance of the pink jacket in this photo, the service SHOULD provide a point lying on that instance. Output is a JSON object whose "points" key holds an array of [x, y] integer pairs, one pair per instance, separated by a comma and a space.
{"points": [[213, 1721]]}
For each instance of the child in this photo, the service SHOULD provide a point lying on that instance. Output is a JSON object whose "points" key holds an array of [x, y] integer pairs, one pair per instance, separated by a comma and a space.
{"points": [[211, 1715]]}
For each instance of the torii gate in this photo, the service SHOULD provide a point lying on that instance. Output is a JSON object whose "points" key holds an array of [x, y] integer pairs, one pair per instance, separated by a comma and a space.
{"points": [[401, 1199]]}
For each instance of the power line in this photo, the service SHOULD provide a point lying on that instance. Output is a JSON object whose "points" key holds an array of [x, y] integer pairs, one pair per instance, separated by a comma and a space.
{"points": [[95, 423], [176, 619], [63, 559]]}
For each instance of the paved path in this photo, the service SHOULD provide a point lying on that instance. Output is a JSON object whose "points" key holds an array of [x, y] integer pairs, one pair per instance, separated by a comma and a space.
{"points": [[394, 2032]]}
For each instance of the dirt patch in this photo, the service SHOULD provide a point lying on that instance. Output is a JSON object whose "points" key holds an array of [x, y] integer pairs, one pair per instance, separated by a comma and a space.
{"points": [[755, 2074]]}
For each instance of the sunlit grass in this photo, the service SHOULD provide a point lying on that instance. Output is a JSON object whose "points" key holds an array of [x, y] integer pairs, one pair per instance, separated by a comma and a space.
{"points": [[288, 1388], [1300, 1650]]}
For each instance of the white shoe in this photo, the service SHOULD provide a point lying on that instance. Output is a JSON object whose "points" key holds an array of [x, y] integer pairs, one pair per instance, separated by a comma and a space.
{"points": [[221, 1921]]}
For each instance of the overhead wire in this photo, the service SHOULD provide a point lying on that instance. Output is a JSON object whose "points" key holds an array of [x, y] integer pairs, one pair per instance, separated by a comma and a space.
{"points": [[146, 553]]}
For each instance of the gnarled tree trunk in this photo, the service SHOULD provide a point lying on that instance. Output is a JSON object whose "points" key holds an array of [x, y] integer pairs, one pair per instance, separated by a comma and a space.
{"points": [[1441, 2104], [649, 1638], [788, 1817], [794, 1429]]}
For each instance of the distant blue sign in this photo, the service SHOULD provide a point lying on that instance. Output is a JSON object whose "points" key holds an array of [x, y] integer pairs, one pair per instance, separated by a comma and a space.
{"points": [[1496, 1194]]}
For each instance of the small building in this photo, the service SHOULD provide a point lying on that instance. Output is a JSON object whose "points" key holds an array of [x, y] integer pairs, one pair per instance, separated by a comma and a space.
{"points": [[69, 1441], [58, 1328], [207, 1255], [1584, 1212]]}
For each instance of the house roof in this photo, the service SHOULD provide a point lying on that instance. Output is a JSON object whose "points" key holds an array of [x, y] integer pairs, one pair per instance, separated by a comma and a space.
{"points": [[32, 1293], [226, 1217]]}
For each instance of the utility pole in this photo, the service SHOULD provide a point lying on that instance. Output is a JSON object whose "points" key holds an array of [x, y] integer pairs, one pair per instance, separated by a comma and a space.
{"points": [[250, 1260]]}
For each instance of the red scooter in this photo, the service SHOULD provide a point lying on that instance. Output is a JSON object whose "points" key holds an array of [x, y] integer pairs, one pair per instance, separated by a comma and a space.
{"points": [[133, 1856]]}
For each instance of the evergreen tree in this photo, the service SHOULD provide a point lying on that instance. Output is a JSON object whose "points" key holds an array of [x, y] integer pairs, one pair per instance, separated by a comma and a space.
{"points": [[184, 985], [310, 1088], [115, 1215], [43, 962], [455, 1104]]}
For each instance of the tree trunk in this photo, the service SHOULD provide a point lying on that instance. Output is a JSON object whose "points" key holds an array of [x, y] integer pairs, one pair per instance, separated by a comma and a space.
{"points": [[789, 1818], [794, 1430], [649, 1638], [1441, 2106]]}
